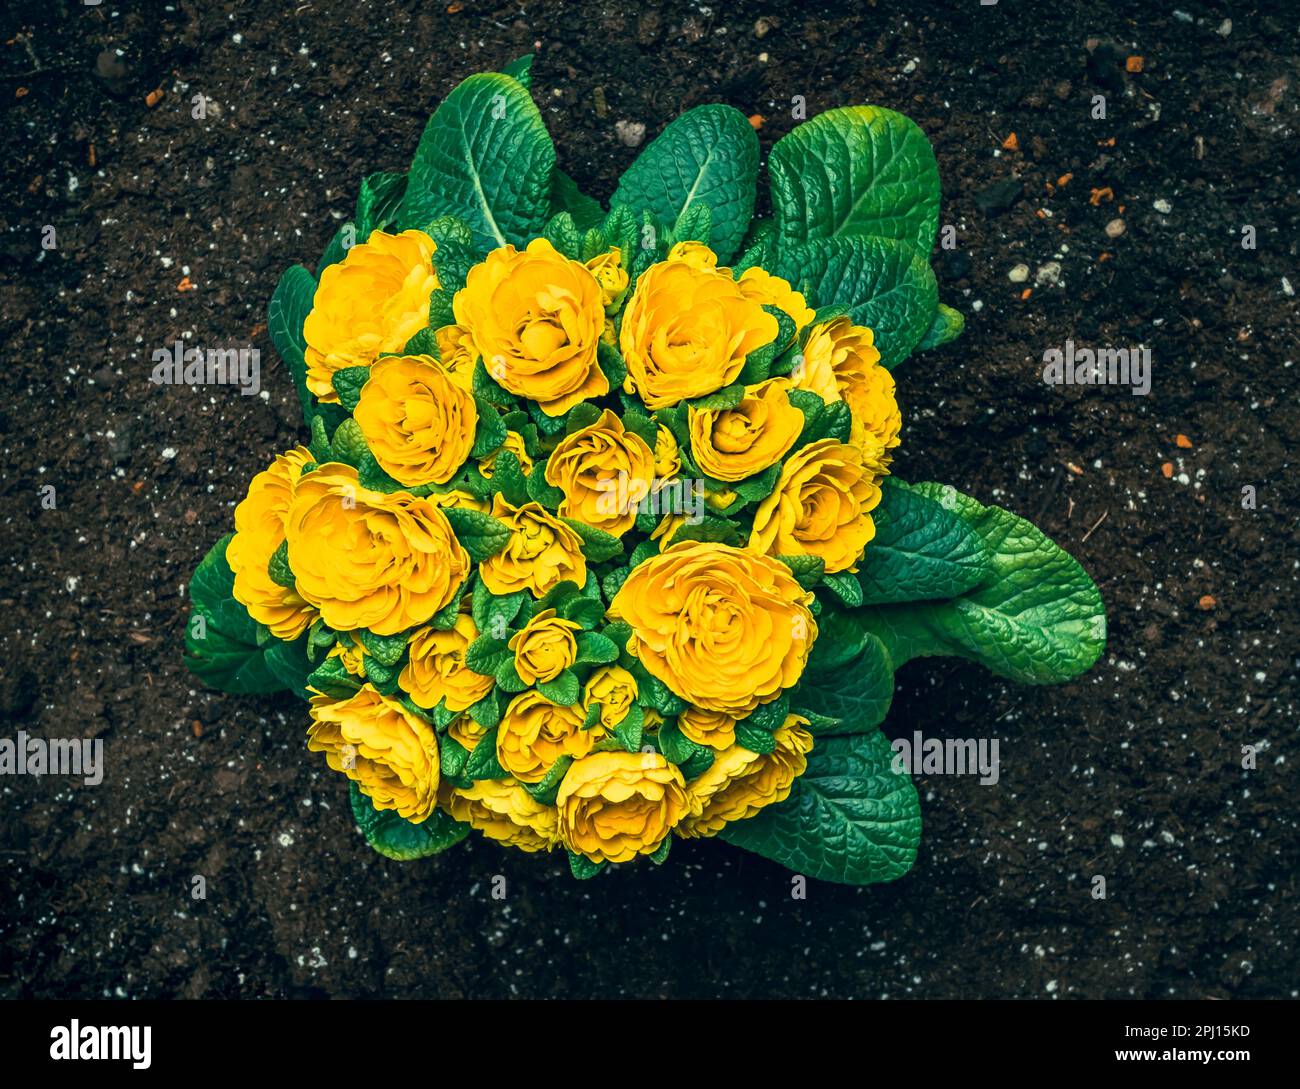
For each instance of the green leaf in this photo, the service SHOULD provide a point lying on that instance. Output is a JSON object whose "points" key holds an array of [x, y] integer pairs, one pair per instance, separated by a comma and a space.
{"points": [[754, 739], [544, 790], [482, 762], [373, 478], [597, 545], [385, 649], [492, 614], [845, 587], [224, 645], [631, 731], [582, 867], [333, 679], [567, 197], [727, 397], [859, 170], [887, 286], [490, 432], [481, 535], [709, 528], [856, 689], [947, 326], [563, 689], [397, 838], [487, 712], [595, 648], [693, 225], [278, 567], [453, 757], [349, 444], [445, 618], [562, 233], [850, 817], [807, 569], [674, 744], [1036, 618], [486, 655], [507, 677], [520, 70], [347, 384], [378, 202], [290, 304], [486, 157], [921, 551], [709, 154]]}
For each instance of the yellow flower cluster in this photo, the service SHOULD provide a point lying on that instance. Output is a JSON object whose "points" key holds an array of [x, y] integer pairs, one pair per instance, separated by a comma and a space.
{"points": [[561, 547]]}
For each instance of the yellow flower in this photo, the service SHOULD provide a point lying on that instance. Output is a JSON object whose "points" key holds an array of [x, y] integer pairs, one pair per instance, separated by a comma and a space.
{"points": [[711, 728], [840, 362], [436, 669], [457, 355], [698, 256], [391, 754], [821, 506], [668, 526], [371, 560], [611, 275], [614, 806], [534, 733], [604, 471], [541, 552], [349, 650], [734, 443], [768, 290], [720, 500], [461, 500], [668, 455], [466, 732], [536, 318], [515, 444], [544, 647], [259, 532], [503, 810], [615, 689], [418, 423], [739, 783], [373, 301], [723, 628], [687, 332]]}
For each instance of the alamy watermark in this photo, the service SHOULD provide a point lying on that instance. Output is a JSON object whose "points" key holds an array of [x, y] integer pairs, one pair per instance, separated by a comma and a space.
{"points": [[53, 756], [181, 366], [1102, 367], [621, 495], [947, 756]]}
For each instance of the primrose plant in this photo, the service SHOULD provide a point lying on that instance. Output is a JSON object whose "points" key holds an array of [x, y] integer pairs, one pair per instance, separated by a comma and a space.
{"points": [[594, 543]]}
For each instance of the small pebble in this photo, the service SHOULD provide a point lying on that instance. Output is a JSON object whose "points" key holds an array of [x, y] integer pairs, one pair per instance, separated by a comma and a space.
{"points": [[1050, 273], [1225, 28], [1114, 228], [630, 133], [1287, 289], [1019, 274], [1117, 840], [1163, 207]]}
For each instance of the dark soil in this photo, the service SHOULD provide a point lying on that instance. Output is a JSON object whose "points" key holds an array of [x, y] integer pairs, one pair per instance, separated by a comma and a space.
{"points": [[1133, 773]]}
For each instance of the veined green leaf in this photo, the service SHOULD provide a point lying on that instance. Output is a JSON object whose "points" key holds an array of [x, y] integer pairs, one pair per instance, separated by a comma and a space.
{"points": [[856, 171], [397, 838], [850, 817], [1036, 617], [290, 304], [485, 157], [920, 552], [709, 154], [886, 285]]}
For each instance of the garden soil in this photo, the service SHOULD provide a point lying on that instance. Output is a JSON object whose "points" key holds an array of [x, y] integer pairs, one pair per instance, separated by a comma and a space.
{"points": [[1141, 840]]}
